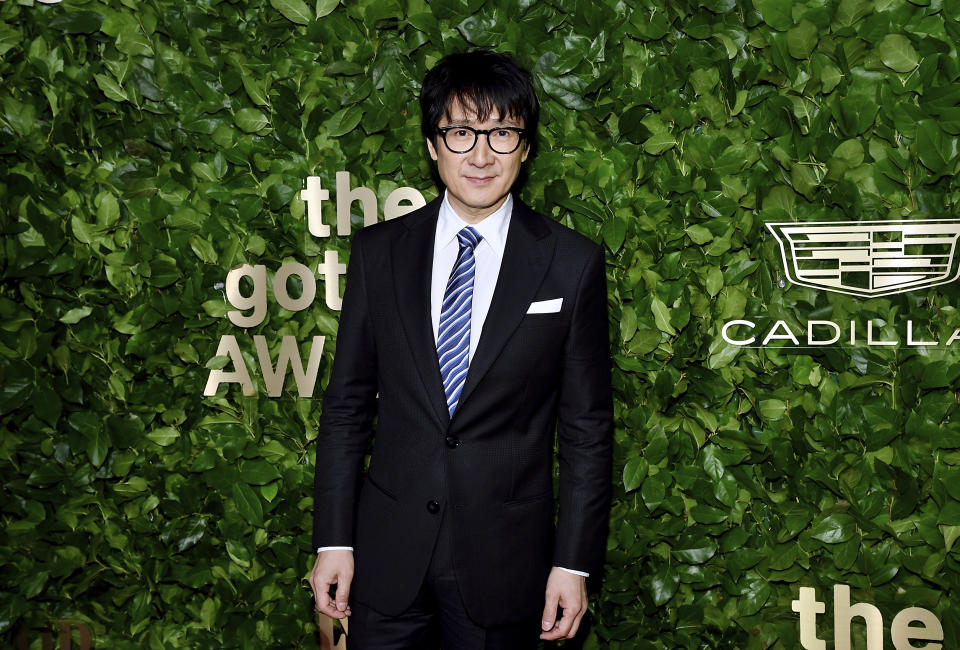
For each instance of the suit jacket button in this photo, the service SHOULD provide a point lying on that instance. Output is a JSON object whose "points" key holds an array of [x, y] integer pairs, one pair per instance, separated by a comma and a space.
{"points": [[433, 507], [453, 442]]}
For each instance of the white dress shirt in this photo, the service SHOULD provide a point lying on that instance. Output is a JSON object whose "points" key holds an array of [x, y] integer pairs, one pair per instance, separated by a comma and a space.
{"points": [[488, 255]]}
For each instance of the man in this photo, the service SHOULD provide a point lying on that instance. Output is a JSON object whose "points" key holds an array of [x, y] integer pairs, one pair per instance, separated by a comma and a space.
{"points": [[473, 328]]}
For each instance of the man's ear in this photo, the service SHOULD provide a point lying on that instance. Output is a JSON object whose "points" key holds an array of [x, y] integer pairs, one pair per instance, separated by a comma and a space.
{"points": [[526, 152], [431, 149]]}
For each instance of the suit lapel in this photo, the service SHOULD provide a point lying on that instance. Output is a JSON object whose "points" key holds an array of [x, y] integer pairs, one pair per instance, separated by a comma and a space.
{"points": [[526, 257], [413, 267]]}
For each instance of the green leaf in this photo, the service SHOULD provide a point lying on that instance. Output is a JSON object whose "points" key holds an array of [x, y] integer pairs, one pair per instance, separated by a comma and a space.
{"points": [[204, 171], [712, 463], [9, 38], [897, 53], [567, 90], [850, 11], [657, 143], [707, 515], [326, 7], [614, 232], [714, 281], [661, 316], [250, 120], [634, 472], [126, 430], [949, 514], [704, 80], [657, 445], [699, 234], [255, 90], [17, 386], [663, 585], [724, 355], [343, 121], [733, 187], [238, 553], [628, 323], [208, 613], [696, 552], [802, 39], [78, 22], [279, 195], [772, 409], [653, 492], [830, 76], [754, 597], [631, 127], [737, 271], [935, 149], [216, 308], [834, 528], [850, 152], [164, 436], [950, 535], [98, 446], [248, 503], [164, 271], [132, 41], [203, 249], [293, 10], [220, 165], [481, 30], [75, 315], [855, 112], [270, 491], [258, 472], [646, 340], [34, 583], [110, 88], [777, 13]]}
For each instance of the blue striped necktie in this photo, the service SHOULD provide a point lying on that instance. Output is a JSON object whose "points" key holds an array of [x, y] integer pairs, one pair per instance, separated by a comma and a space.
{"points": [[453, 337]]}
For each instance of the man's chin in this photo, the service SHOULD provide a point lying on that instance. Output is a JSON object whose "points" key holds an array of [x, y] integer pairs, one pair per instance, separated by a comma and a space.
{"points": [[483, 202]]}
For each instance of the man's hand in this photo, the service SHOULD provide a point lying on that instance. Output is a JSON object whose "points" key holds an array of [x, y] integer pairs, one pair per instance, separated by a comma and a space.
{"points": [[332, 568], [569, 591]]}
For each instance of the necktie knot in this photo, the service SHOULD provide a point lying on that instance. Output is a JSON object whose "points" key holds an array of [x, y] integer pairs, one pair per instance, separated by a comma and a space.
{"points": [[468, 237]]}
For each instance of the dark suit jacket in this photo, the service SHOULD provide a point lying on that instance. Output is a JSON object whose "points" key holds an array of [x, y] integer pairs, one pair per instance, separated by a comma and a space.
{"points": [[489, 468]]}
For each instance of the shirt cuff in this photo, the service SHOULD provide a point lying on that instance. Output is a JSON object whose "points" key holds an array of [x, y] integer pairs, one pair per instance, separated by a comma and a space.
{"points": [[335, 548], [579, 573]]}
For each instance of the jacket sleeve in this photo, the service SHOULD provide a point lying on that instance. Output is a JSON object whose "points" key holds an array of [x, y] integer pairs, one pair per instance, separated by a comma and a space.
{"points": [[349, 405], [585, 427]]}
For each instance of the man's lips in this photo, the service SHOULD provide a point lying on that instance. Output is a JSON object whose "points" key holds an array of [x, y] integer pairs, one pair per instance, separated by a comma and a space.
{"points": [[480, 180]]}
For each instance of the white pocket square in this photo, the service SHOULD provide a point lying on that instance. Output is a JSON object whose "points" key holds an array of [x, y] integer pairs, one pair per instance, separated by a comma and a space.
{"points": [[545, 306]]}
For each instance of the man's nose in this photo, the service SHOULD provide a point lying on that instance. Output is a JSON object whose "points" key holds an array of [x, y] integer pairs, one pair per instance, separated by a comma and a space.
{"points": [[481, 155]]}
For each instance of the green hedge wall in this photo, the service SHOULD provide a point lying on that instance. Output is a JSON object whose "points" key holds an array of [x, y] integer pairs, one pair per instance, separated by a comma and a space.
{"points": [[149, 146]]}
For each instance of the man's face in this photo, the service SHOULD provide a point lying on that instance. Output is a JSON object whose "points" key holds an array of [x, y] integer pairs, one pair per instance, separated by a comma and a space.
{"points": [[477, 181]]}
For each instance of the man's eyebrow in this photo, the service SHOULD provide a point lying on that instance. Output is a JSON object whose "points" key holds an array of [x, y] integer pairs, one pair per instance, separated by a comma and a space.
{"points": [[468, 121], [461, 120]]}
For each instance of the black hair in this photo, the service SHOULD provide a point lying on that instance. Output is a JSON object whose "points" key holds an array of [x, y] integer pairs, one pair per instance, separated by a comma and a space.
{"points": [[485, 81]]}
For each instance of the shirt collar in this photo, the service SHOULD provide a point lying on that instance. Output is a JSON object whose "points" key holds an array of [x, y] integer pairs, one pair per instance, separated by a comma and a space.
{"points": [[493, 228]]}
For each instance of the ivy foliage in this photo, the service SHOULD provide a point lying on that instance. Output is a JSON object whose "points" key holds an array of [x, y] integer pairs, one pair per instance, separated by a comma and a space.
{"points": [[149, 146]]}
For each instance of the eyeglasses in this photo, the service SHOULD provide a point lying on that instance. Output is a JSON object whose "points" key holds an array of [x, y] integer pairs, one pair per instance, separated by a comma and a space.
{"points": [[461, 139]]}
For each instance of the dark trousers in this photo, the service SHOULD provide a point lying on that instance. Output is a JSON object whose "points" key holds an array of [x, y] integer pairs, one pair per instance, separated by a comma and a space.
{"points": [[437, 618]]}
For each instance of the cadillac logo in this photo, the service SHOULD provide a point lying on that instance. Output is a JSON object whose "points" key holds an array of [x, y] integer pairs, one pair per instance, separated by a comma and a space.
{"points": [[869, 258]]}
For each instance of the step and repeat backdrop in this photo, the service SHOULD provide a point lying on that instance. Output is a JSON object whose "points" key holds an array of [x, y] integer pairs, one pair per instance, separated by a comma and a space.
{"points": [[775, 185]]}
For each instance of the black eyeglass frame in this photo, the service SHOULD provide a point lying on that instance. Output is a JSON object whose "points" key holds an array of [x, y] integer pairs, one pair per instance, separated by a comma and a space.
{"points": [[442, 130]]}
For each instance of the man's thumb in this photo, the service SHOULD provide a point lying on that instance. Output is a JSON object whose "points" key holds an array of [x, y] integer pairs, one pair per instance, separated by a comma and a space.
{"points": [[343, 593], [549, 612]]}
